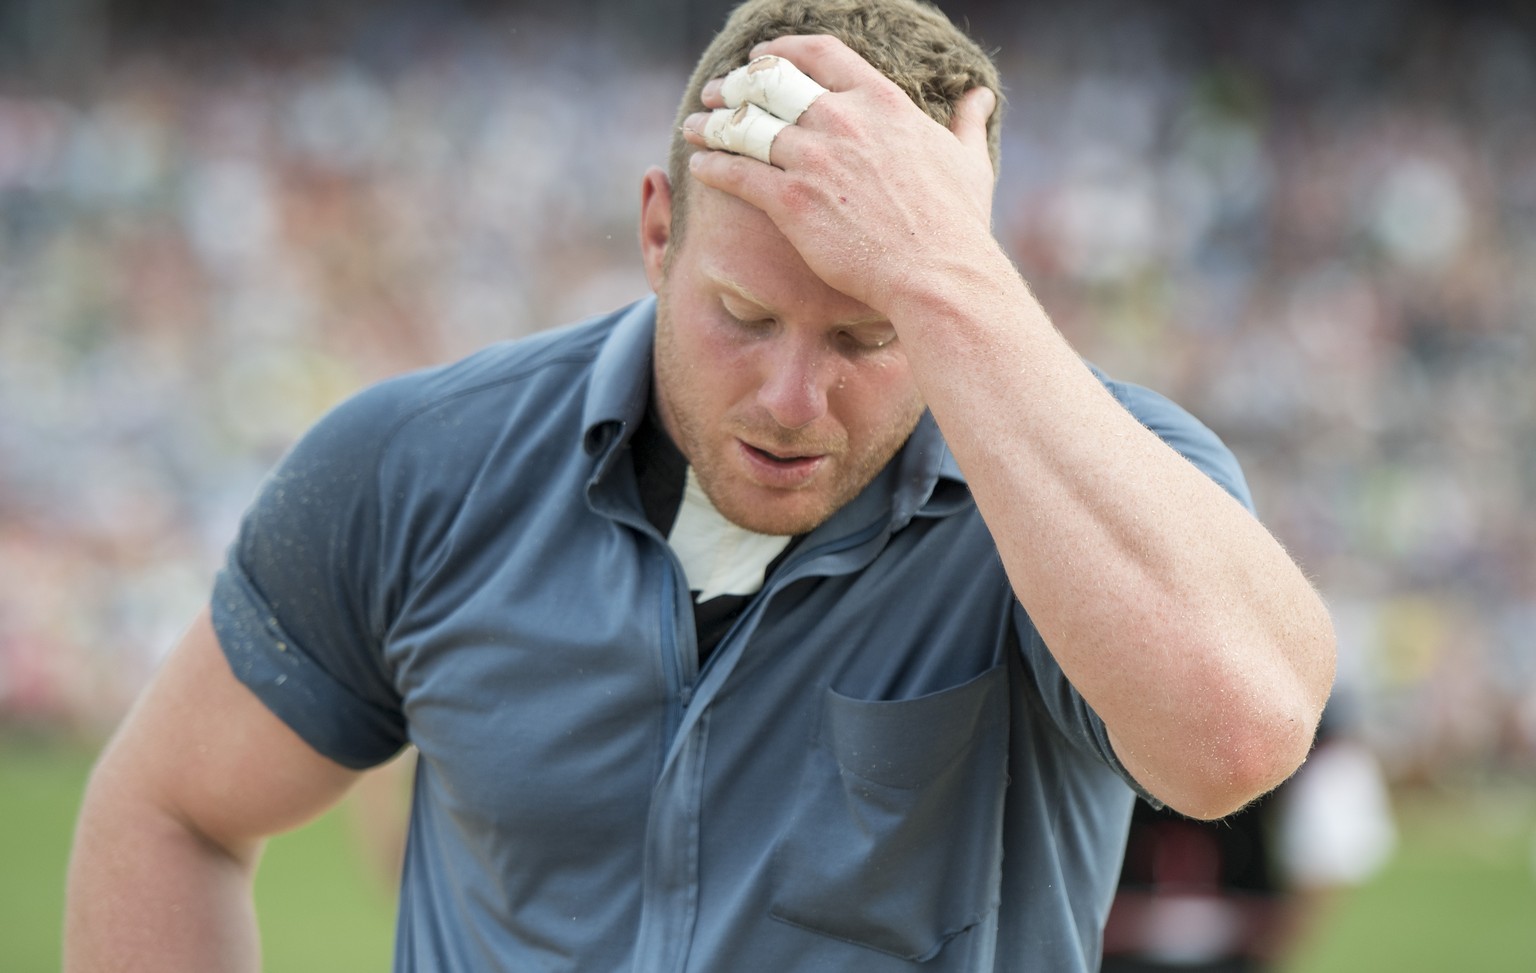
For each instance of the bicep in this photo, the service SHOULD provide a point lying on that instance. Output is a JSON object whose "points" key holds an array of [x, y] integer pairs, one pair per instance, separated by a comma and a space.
{"points": [[201, 747]]}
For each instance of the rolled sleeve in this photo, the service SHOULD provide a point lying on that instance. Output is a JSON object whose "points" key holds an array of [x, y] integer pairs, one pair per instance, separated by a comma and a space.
{"points": [[323, 710], [299, 605]]}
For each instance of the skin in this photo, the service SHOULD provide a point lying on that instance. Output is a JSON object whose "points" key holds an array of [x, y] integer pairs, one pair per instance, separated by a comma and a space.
{"points": [[867, 249], [1177, 616], [786, 396], [174, 817]]}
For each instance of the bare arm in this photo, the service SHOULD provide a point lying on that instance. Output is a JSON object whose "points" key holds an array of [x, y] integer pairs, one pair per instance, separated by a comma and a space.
{"points": [[174, 818], [1170, 608], [1175, 614]]}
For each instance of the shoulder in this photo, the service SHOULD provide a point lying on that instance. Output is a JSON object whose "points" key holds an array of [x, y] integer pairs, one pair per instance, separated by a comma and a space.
{"points": [[451, 406], [496, 374], [435, 428]]}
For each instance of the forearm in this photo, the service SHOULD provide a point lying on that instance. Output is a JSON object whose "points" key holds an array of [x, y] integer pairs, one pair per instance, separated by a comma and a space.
{"points": [[148, 893], [1178, 617]]}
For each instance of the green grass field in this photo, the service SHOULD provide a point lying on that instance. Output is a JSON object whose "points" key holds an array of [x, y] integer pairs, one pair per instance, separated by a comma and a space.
{"points": [[1460, 894], [321, 908]]}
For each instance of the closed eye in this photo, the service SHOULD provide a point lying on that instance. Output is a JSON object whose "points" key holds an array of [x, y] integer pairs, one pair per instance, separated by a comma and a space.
{"points": [[750, 325], [865, 339], [745, 318]]}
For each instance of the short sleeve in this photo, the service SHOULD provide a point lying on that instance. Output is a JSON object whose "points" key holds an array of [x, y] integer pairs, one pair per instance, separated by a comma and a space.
{"points": [[299, 604]]}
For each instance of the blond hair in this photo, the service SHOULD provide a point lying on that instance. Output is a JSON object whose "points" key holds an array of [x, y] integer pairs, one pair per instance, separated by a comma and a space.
{"points": [[908, 41]]}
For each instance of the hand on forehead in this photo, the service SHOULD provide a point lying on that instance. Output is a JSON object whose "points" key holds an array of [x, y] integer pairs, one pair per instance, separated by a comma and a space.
{"points": [[855, 169], [752, 105]]}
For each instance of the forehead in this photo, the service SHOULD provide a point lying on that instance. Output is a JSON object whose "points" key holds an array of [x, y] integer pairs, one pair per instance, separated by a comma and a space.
{"points": [[722, 224], [734, 248]]}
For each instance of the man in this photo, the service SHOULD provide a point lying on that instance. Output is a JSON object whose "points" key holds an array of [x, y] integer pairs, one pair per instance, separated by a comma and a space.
{"points": [[823, 613]]}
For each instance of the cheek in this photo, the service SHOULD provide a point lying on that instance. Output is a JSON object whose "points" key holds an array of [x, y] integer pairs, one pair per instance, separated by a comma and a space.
{"points": [[881, 404], [693, 348], [716, 378]]}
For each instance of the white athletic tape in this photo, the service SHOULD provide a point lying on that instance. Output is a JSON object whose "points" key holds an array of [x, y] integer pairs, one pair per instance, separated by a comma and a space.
{"points": [[748, 130], [773, 84]]}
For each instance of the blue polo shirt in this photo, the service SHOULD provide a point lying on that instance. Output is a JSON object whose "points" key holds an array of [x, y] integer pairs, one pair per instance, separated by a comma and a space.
{"points": [[879, 768]]}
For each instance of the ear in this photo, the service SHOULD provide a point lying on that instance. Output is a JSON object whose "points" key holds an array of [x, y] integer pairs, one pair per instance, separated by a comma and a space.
{"points": [[655, 223]]}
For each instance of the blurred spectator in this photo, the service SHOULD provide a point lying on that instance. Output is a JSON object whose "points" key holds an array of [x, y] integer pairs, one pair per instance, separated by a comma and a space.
{"points": [[210, 246], [1239, 895], [1321, 215]]}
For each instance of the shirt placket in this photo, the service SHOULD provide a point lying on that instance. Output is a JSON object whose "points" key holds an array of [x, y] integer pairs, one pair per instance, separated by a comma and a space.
{"points": [[670, 884], [670, 879]]}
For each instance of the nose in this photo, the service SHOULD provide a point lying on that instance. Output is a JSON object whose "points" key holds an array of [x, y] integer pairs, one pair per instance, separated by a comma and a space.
{"points": [[794, 384]]}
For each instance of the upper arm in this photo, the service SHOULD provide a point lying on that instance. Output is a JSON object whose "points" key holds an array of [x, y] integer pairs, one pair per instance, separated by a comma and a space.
{"points": [[200, 748]]}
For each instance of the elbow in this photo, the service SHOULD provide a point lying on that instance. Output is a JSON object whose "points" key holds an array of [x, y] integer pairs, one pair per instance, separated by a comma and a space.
{"points": [[1260, 745], [1252, 751], [1244, 767], [1229, 767], [1246, 753], [1249, 728]]}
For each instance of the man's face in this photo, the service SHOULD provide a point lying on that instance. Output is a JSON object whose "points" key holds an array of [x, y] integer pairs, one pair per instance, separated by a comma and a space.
{"points": [[786, 396]]}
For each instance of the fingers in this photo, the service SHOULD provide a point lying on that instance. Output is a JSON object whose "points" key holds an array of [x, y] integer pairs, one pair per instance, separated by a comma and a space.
{"points": [[736, 175], [972, 111], [761, 98], [827, 60], [748, 130], [772, 83], [771, 92]]}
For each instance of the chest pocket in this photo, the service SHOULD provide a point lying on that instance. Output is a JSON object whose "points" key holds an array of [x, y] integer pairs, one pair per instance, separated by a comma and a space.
{"points": [[896, 843]]}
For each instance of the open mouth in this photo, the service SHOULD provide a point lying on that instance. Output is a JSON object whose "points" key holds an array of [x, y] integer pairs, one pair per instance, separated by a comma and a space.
{"points": [[781, 459], [787, 470]]}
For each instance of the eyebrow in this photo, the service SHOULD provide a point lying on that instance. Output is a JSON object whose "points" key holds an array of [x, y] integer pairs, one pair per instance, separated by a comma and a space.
{"points": [[768, 309]]}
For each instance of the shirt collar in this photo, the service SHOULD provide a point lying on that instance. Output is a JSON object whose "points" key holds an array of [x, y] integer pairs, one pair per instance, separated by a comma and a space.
{"points": [[928, 476], [621, 380]]}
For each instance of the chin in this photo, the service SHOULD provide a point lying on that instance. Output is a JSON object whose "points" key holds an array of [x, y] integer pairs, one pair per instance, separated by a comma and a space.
{"points": [[785, 520]]}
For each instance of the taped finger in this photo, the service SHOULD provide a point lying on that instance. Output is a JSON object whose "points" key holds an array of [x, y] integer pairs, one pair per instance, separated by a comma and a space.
{"points": [[748, 130], [773, 84]]}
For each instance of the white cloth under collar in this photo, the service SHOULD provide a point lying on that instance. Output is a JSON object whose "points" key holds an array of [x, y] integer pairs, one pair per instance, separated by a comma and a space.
{"points": [[718, 557]]}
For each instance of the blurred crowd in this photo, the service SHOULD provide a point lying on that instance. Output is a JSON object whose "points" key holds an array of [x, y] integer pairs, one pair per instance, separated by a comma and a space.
{"points": [[1314, 226]]}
